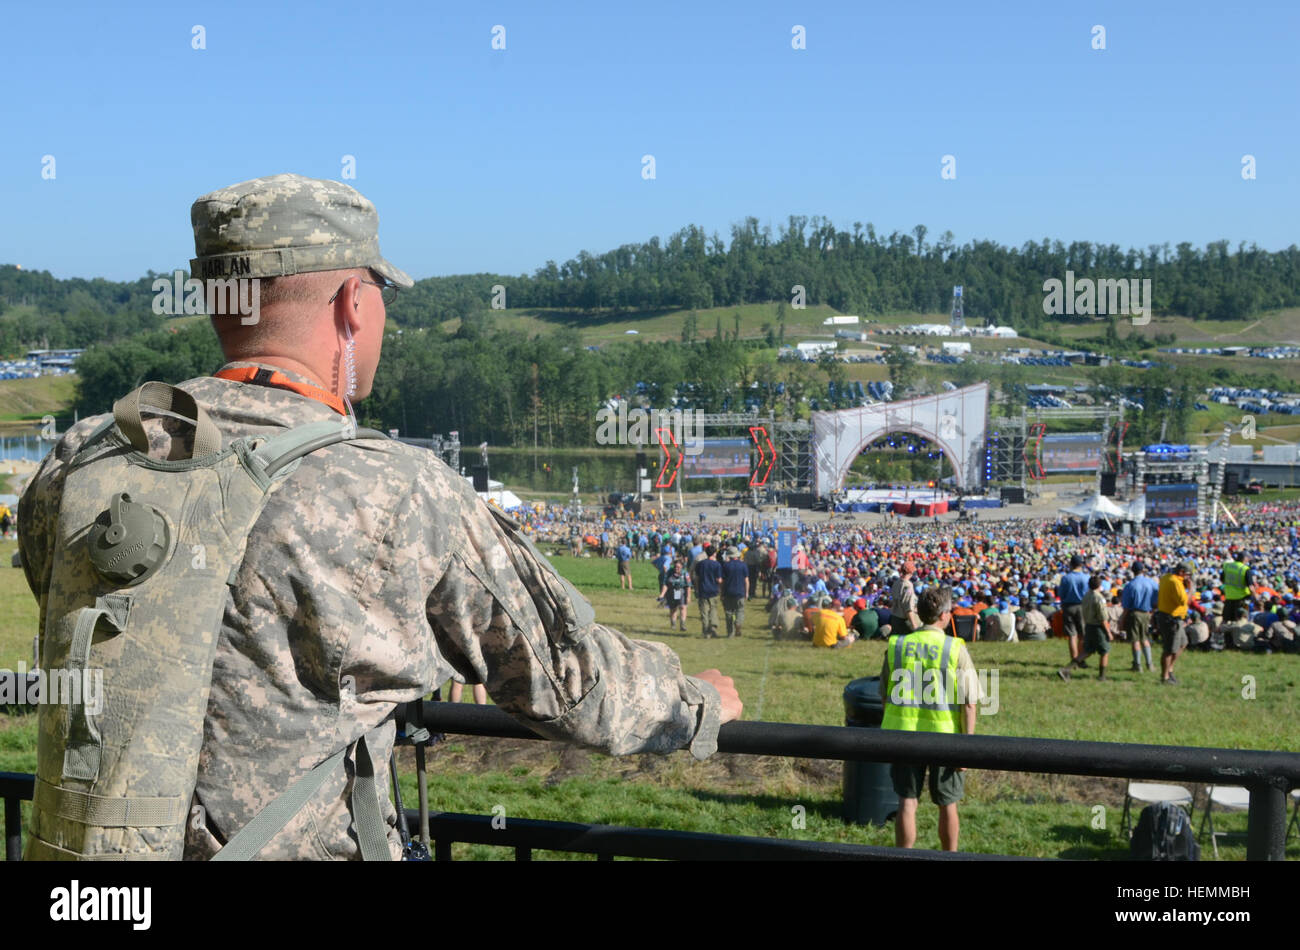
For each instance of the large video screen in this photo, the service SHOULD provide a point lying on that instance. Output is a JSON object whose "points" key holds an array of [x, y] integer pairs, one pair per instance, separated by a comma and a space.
{"points": [[1171, 502], [719, 458], [1070, 452]]}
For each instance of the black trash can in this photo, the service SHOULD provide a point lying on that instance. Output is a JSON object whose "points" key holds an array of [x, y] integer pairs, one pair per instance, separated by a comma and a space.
{"points": [[868, 788]]}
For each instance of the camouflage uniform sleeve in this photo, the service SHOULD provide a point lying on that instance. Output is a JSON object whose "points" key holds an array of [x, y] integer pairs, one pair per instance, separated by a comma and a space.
{"points": [[502, 616]]}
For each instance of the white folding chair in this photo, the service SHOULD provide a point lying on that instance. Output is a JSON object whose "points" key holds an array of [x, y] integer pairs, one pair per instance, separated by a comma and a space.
{"points": [[1149, 793], [1229, 798]]}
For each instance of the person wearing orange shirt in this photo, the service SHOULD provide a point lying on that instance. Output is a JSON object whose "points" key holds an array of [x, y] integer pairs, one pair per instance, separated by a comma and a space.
{"points": [[965, 608], [849, 610], [810, 615]]}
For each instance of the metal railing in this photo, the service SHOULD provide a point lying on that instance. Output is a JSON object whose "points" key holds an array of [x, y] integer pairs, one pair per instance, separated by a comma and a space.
{"points": [[1269, 776]]}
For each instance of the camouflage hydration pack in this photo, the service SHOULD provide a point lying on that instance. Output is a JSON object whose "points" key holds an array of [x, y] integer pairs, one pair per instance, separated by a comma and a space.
{"points": [[144, 551]]}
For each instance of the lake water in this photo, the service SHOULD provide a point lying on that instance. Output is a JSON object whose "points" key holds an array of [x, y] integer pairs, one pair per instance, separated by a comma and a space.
{"points": [[552, 470], [27, 447]]}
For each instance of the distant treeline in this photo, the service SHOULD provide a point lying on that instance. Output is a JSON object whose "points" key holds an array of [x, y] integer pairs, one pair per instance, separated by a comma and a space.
{"points": [[497, 387], [39, 310], [508, 390], [854, 271], [861, 272]]}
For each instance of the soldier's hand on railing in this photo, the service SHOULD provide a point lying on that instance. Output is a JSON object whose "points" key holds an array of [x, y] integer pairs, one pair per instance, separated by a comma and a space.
{"points": [[732, 707]]}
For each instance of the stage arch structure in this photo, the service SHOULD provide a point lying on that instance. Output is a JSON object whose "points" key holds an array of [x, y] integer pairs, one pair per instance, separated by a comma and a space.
{"points": [[956, 421]]}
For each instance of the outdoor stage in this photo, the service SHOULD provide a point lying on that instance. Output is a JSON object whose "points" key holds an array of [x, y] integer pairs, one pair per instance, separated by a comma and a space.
{"points": [[918, 502]]}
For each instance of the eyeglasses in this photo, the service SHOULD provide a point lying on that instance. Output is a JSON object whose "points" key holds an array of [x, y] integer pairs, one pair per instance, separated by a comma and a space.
{"points": [[387, 290]]}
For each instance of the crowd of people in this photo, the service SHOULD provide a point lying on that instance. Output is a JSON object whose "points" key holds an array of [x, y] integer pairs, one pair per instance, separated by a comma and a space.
{"points": [[1012, 579], [928, 587]]}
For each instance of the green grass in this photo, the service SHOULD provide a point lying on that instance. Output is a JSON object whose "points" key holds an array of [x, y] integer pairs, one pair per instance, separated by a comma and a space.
{"points": [[1268, 329], [27, 400], [19, 616]]}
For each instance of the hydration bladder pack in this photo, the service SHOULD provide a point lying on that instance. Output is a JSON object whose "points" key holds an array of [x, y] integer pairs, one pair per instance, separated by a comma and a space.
{"points": [[144, 552]]}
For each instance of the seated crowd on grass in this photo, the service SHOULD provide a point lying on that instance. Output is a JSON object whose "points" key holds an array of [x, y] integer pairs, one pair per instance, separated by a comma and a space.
{"points": [[1007, 574]]}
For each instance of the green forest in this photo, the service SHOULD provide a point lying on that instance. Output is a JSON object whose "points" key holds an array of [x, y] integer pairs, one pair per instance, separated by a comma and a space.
{"points": [[855, 271], [861, 272], [510, 389]]}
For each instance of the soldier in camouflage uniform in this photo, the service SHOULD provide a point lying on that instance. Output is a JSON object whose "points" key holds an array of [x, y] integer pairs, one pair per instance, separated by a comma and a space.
{"points": [[374, 572]]}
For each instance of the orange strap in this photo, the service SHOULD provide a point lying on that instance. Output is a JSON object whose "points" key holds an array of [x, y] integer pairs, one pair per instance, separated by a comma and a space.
{"points": [[260, 376]]}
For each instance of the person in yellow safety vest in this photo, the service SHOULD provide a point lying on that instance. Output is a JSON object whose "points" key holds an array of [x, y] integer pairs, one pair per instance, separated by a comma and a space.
{"points": [[928, 684], [1238, 580]]}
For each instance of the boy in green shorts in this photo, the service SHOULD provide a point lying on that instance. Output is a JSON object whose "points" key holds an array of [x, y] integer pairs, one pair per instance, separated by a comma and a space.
{"points": [[1096, 630]]}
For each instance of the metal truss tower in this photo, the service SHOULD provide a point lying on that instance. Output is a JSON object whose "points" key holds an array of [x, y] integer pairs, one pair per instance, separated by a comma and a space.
{"points": [[1004, 460]]}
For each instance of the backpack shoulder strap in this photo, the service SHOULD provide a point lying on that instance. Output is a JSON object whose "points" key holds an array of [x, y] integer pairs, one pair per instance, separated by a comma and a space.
{"points": [[272, 456], [372, 833], [279, 450]]}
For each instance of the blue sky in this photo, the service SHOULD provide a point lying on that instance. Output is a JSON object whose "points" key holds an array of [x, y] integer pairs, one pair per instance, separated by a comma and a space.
{"points": [[498, 160]]}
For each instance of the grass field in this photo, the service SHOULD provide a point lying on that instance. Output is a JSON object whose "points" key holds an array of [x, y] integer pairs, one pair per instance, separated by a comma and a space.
{"points": [[27, 400], [1004, 813]]}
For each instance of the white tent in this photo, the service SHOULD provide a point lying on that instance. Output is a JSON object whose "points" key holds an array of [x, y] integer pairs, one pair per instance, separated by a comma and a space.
{"points": [[1098, 506], [498, 494]]}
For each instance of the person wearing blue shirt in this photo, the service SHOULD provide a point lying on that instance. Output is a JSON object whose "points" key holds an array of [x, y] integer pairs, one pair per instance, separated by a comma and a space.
{"points": [[735, 590], [623, 554], [662, 563], [1264, 618], [708, 584], [1072, 589], [1139, 600]]}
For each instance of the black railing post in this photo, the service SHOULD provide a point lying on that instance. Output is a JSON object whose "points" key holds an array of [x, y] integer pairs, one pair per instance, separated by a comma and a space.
{"points": [[13, 829], [1266, 822]]}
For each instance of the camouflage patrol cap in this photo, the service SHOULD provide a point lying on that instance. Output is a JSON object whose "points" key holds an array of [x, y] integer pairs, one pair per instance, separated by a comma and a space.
{"points": [[286, 224]]}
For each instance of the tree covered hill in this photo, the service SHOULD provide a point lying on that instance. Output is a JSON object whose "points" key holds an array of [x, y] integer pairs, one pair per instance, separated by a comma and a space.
{"points": [[506, 386], [857, 271]]}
